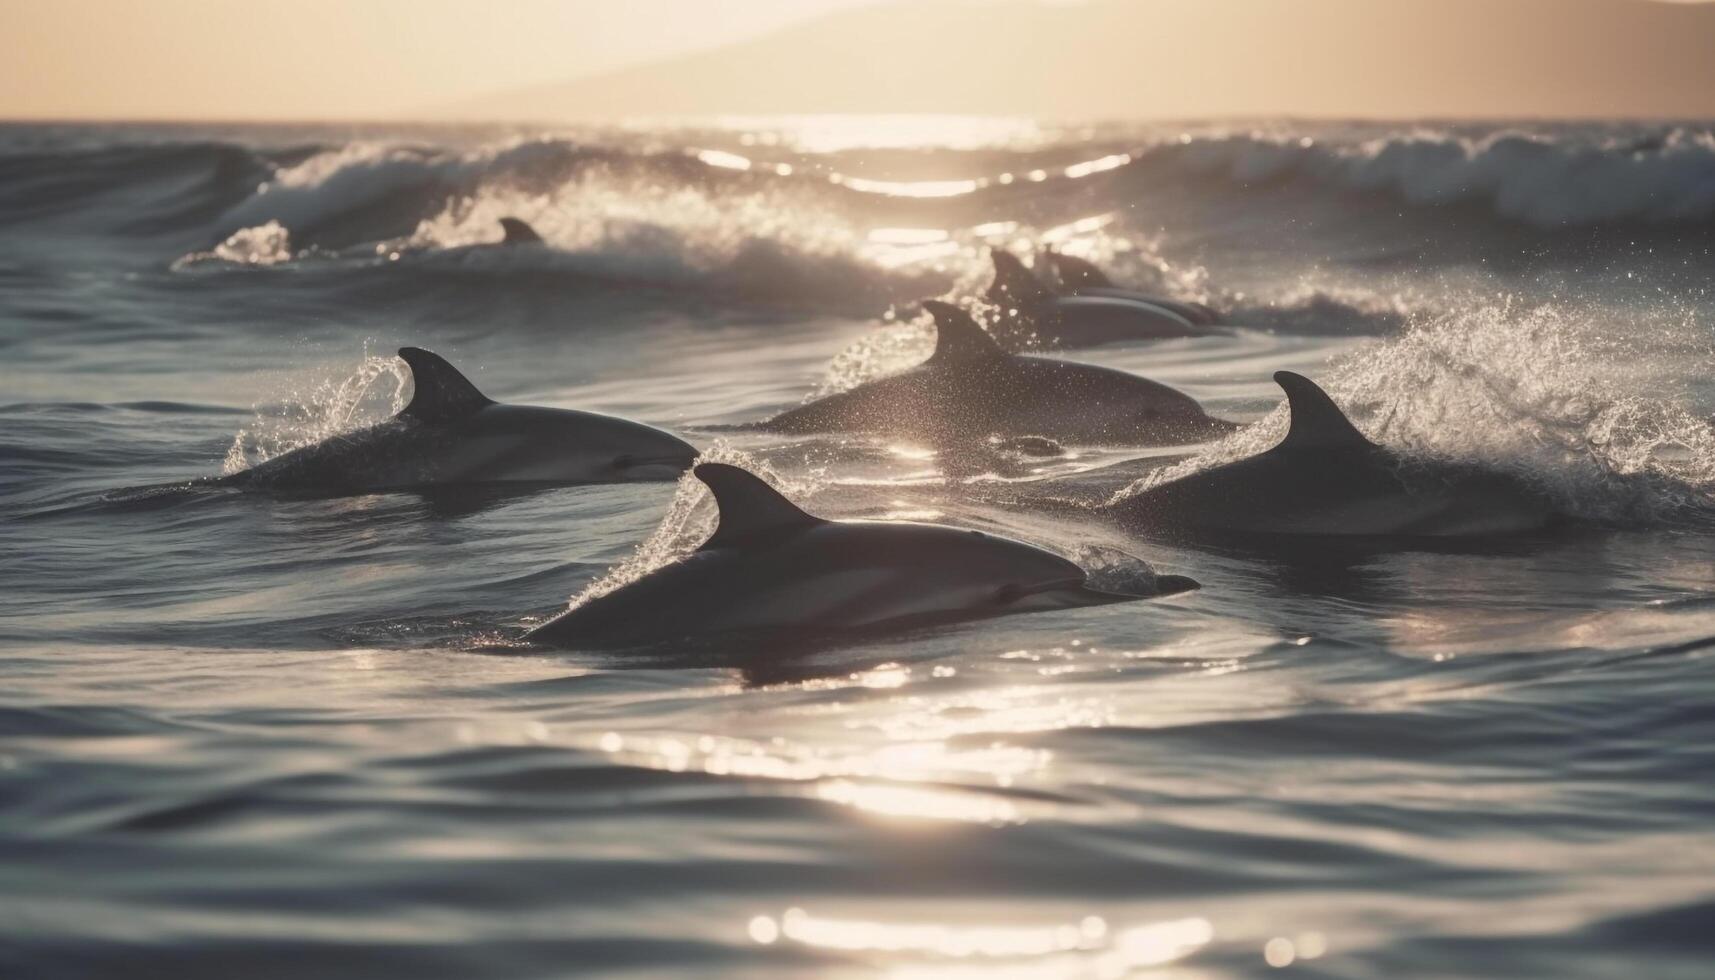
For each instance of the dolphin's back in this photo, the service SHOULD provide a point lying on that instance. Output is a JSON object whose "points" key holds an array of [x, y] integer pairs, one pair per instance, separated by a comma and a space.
{"points": [[772, 567], [1090, 321], [970, 389], [1326, 478], [903, 401], [831, 577], [391, 454], [451, 433], [1339, 493], [1194, 313]]}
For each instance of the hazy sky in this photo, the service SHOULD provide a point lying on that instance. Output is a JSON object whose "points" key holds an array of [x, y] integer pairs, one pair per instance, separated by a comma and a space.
{"points": [[331, 59], [319, 59]]}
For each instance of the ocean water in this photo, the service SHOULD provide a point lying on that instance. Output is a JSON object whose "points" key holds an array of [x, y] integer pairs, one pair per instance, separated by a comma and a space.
{"points": [[262, 737]]}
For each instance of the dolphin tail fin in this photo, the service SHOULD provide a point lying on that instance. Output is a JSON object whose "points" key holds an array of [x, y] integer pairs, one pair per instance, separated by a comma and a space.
{"points": [[441, 393], [1014, 285], [748, 506], [1317, 423], [1075, 272], [518, 232], [957, 335]]}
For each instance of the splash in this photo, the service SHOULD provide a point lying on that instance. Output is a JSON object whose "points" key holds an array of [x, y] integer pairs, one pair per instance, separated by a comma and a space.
{"points": [[265, 244], [327, 409], [1535, 392], [691, 517], [898, 345], [1113, 570], [1310, 308]]}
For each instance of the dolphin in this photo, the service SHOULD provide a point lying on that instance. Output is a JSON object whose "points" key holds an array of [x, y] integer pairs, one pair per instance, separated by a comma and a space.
{"points": [[1080, 320], [1081, 277], [770, 567], [1326, 478], [451, 433], [516, 231], [970, 389]]}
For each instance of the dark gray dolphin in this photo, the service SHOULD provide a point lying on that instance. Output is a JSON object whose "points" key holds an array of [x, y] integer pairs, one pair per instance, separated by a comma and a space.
{"points": [[1325, 478], [516, 231], [970, 389], [451, 433], [1080, 277], [1080, 320], [772, 568]]}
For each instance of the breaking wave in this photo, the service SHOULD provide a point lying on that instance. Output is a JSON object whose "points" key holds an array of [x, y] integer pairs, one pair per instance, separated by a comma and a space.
{"points": [[1664, 178]]}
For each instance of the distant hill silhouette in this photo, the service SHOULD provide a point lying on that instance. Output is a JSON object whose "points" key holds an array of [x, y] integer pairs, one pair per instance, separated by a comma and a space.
{"points": [[1180, 59]]}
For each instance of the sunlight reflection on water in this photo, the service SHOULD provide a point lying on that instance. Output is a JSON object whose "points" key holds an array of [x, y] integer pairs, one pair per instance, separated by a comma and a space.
{"points": [[1090, 947]]}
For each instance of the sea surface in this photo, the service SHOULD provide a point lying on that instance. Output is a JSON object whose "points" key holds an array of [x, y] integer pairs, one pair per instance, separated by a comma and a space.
{"points": [[250, 736]]}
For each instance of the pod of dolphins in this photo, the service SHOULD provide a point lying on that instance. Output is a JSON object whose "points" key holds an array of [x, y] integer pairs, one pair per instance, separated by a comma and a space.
{"points": [[770, 568]]}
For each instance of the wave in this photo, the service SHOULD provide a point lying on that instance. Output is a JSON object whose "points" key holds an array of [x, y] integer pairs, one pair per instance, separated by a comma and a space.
{"points": [[663, 219], [1547, 182], [131, 188], [332, 194], [794, 227]]}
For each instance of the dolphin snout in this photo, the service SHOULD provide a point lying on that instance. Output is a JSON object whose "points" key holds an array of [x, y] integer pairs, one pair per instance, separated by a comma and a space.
{"points": [[1175, 584]]}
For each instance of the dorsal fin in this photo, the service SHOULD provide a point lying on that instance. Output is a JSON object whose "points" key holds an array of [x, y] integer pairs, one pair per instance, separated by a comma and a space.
{"points": [[1014, 285], [441, 393], [957, 335], [518, 232], [1317, 423], [1075, 272], [748, 507]]}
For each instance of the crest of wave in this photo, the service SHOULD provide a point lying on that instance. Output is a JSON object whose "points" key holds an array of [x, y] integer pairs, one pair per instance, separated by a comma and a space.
{"points": [[757, 235], [347, 179], [1530, 391], [1547, 180], [321, 411], [338, 179], [690, 519], [625, 220]]}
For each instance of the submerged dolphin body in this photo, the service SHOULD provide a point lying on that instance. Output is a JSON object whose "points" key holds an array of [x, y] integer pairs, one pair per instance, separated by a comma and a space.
{"points": [[1079, 320], [772, 568], [451, 433], [1081, 277], [970, 389], [1325, 478]]}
